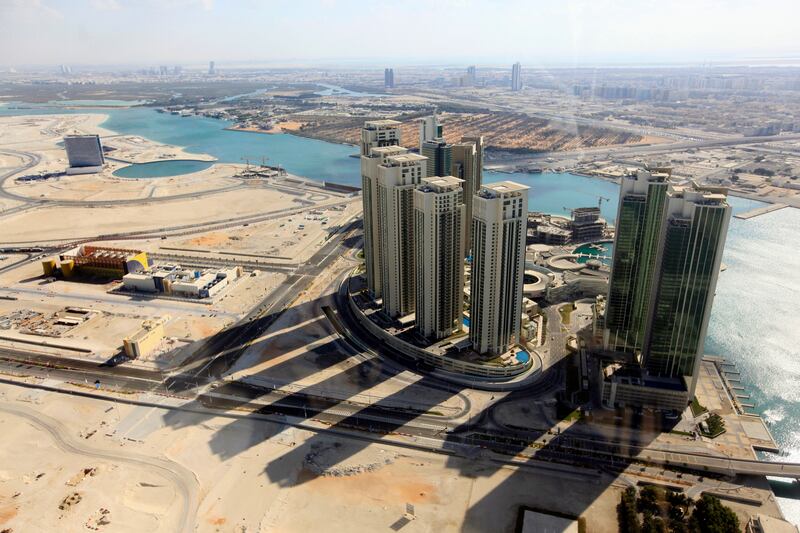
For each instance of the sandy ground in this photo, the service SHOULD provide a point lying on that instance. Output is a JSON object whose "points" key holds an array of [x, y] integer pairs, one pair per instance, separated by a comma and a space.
{"points": [[106, 187], [281, 127], [252, 475], [54, 223], [119, 315], [43, 135], [36, 132]]}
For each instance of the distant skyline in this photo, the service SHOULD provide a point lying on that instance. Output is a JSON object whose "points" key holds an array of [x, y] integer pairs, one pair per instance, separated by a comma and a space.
{"points": [[308, 32]]}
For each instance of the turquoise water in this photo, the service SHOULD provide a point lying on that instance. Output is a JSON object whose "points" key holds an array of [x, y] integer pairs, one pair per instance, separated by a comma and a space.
{"points": [[75, 103], [552, 192], [523, 356], [162, 169], [606, 253], [754, 322], [200, 135]]}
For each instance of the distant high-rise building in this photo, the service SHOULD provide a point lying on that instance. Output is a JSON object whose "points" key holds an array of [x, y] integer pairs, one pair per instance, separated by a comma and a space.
{"points": [[642, 200], [65, 70], [177, 69], [499, 221], [467, 162], [440, 157], [379, 140], [388, 78], [690, 254], [398, 177], [439, 241], [516, 77], [429, 129], [163, 70], [212, 69], [84, 153], [472, 76]]}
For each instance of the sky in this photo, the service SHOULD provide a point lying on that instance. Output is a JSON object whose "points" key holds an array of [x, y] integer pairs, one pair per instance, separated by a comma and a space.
{"points": [[378, 32]]}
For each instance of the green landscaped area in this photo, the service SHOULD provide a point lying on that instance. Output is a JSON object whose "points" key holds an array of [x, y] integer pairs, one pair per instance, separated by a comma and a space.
{"points": [[655, 509], [716, 426]]}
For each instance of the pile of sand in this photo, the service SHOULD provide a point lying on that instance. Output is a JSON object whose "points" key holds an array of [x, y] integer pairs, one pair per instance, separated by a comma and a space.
{"points": [[335, 460]]}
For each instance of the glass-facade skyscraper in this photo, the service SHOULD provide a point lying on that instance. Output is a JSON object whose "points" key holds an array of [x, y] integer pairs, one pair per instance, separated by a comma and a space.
{"points": [[689, 263], [440, 157], [641, 214], [667, 255]]}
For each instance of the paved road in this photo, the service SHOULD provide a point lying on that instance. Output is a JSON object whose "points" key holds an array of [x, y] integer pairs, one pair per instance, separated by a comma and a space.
{"points": [[184, 480]]}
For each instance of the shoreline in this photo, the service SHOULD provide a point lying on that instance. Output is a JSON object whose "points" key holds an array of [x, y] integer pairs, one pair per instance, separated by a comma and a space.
{"points": [[98, 119]]}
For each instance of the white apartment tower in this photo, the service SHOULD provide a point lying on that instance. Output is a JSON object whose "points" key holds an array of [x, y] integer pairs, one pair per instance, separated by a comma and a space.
{"points": [[429, 129], [398, 177], [499, 218], [439, 219], [379, 139]]}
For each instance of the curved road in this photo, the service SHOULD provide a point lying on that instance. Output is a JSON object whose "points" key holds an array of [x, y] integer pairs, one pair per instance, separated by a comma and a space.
{"points": [[183, 479], [34, 159]]}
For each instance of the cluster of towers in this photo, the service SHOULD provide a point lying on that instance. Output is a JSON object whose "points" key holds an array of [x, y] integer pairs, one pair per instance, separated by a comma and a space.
{"points": [[425, 215], [667, 256]]}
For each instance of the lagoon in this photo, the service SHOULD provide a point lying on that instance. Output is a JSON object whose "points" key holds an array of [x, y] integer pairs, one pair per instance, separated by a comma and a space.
{"points": [[162, 169]]}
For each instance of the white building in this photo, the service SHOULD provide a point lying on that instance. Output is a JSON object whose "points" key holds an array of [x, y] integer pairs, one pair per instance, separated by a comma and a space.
{"points": [[397, 179], [429, 129], [379, 133], [499, 216], [439, 241], [379, 140]]}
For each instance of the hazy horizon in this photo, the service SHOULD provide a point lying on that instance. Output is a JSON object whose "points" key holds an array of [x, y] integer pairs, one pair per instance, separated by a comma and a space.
{"points": [[369, 34]]}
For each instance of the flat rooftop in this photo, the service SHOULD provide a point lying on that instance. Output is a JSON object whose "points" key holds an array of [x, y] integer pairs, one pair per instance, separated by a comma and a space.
{"points": [[381, 123], [406, 158], [443, 181]]}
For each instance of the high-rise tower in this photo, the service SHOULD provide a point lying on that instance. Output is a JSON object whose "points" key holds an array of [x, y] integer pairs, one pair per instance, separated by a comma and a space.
{"points": [[429, 129], [689, 258], [397, 179], [499, 218], [440, 157], [388, 78], [640, 217], [472, 76], [439, 241], [467, 161], [516, 77], [379, 140]]}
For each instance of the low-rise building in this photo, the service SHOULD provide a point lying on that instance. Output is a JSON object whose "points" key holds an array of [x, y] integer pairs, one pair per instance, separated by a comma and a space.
{"points": [[172, 280], [145, 341], [98, 261]]}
